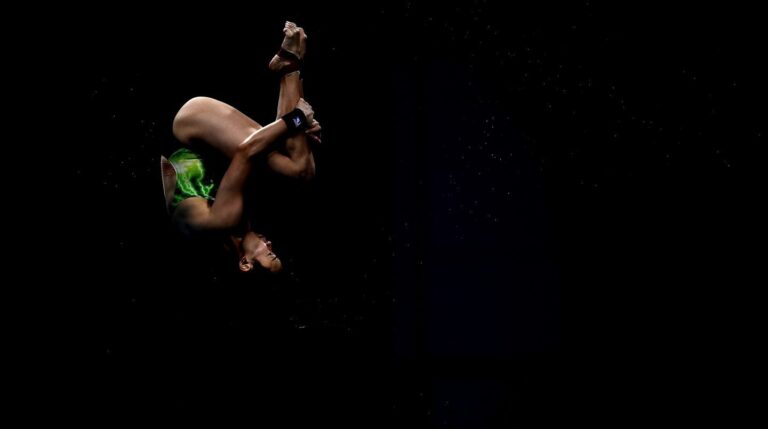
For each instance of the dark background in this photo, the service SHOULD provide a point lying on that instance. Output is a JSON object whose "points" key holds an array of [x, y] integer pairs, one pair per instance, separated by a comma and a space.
{"points": [[522, 215]]}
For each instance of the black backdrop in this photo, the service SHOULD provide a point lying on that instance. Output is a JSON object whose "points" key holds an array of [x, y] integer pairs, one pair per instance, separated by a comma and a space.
{"points": [[522, 214]]}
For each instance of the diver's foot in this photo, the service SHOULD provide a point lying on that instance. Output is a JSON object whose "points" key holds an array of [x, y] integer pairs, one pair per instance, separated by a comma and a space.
{"points": [[292, 50], [292, 40]]}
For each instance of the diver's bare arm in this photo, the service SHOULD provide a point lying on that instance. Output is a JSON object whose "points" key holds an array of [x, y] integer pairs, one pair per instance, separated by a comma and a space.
{"points": [[194, 214], [261, 138]]}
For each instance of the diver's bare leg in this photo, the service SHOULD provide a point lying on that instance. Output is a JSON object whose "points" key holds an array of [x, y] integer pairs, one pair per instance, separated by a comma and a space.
{"points": [[225, 128], [299, 161]]}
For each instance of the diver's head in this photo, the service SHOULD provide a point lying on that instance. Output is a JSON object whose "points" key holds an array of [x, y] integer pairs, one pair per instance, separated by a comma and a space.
{"points": [[257, 249]]}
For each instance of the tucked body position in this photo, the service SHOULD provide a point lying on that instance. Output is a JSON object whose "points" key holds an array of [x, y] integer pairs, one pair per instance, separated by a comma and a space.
{"points": [[199, 204]]}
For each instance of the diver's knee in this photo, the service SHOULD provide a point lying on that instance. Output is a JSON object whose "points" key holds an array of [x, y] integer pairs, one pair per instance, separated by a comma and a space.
{"points": [[308, 172]]}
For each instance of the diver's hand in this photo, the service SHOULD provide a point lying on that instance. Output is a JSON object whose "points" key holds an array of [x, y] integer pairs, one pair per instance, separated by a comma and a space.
{"points": [[314, 131], [307, 109]]}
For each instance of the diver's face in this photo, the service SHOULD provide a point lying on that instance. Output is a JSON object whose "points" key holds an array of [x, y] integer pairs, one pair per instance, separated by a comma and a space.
{"points": [[258, 250]]}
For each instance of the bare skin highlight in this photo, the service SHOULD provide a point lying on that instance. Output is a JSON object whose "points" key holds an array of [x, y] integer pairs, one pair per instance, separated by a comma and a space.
{"points": [[207, 121]]}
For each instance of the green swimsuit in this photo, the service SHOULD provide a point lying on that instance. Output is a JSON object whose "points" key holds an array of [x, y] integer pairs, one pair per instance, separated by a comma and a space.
{"points": [[191, 178]]}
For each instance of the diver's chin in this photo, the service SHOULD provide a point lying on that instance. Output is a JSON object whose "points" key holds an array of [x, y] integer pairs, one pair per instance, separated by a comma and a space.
{"points": [[276, 266]]}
